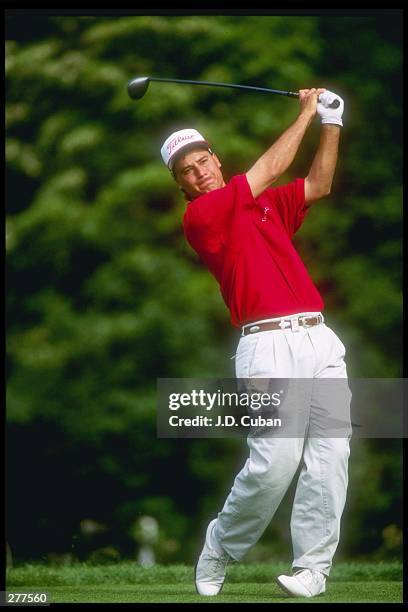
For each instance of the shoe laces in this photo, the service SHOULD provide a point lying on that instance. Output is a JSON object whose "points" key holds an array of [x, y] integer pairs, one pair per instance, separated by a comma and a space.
{"points": [[216, 562], [309, 576]]}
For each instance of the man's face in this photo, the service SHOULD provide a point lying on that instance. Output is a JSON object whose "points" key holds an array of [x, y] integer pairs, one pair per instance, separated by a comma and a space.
{"points": [[198, 172]]}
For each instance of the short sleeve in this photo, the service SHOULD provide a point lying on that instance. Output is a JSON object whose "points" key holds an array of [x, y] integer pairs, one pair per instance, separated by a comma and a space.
{"points": [[290, 204]]}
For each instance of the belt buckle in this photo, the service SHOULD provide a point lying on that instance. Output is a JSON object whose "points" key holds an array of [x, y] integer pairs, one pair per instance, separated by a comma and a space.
{"points": [[304, 324]]}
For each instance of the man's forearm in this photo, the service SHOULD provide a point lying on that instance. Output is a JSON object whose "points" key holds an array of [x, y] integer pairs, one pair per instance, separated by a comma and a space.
{"points": [[321, 173], [277, 159]]}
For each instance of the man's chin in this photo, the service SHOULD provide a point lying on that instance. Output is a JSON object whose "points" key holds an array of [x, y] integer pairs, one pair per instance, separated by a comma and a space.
{"points": [[209, 187]]}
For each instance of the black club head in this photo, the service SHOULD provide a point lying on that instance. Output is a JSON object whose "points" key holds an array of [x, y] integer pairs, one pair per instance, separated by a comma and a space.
{"points": [[137, 87]]}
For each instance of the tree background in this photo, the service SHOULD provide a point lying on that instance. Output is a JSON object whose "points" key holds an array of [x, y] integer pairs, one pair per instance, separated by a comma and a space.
{"points": [[104, 295]]}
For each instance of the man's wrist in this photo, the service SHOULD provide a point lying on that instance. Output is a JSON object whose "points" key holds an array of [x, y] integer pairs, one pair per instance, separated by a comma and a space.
{"points": [[331, 127], [306, 117]]}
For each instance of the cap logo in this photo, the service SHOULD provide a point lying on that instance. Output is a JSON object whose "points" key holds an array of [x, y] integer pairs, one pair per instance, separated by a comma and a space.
{"points": [[177, 141], [173, 143]]}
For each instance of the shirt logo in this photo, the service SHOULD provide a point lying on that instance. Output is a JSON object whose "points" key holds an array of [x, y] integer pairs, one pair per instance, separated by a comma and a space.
{"points": [[265, 215]]}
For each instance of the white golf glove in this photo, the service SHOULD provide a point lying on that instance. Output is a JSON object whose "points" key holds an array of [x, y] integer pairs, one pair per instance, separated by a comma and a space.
{"points": [[327, 114]]}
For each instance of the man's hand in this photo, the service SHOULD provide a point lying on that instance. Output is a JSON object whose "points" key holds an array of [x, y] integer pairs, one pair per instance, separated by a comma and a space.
{"points": [[330, 115], [308, 99]]}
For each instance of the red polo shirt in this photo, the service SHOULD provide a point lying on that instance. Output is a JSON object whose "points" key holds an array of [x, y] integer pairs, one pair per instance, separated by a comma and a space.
{"points": [[246, 243]]}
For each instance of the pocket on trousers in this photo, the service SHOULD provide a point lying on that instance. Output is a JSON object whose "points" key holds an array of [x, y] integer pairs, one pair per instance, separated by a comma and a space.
{"points": [[341, 345], [263, 363], [337, 342], [245, 356]]}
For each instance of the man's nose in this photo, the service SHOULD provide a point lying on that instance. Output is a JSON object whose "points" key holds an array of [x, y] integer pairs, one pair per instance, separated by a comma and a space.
{"points": [[200, 171]]}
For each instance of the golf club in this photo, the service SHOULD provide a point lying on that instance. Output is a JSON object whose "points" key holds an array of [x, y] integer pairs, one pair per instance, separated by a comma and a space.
{"points": [[138, 86]]}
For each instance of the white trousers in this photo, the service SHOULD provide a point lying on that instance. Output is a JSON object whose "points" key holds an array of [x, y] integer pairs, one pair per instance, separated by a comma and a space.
{"points": [[258, 489]]}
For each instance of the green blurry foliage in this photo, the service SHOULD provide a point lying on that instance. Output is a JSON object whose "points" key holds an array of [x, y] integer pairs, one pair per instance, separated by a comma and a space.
{"points": [[104, 295]]}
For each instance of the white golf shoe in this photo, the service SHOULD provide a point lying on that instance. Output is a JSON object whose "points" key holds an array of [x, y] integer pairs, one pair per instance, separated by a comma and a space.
{"points": [[211, 567], [303, 583]]}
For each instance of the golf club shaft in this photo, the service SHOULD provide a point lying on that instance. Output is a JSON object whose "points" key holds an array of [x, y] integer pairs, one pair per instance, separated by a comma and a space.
{"points": [[138, 86], [291, 94]]}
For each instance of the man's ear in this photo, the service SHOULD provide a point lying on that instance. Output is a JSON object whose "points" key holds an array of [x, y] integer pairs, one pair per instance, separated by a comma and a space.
{"points": [[217, 160]]}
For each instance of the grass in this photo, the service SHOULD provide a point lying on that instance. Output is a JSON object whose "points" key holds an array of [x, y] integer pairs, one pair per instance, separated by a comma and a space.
{"points": [[126, 582]]}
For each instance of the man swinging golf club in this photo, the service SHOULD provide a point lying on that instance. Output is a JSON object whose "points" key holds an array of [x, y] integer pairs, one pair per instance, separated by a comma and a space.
{"points": [[242, 230]]}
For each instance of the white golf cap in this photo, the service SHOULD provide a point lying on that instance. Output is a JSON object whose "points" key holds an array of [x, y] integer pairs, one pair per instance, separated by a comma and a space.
{"points": [[177, 141]]}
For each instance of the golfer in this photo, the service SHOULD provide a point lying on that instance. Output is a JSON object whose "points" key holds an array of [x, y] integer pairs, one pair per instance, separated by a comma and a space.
{"points": [[242, 230]]}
